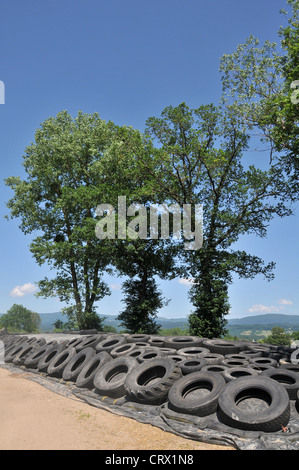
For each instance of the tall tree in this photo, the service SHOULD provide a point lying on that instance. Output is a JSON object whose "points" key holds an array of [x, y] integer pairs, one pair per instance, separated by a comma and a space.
{"points": [[141, 256], [261, 85], [199, 160], [57, 202], [20, 319]]}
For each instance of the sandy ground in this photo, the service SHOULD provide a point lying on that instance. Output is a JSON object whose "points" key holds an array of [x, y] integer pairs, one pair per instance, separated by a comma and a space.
{"points": [[35, 418]]}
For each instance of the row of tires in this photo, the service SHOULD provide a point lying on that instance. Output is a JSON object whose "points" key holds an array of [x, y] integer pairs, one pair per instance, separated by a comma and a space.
{"points": [[250, 387]]}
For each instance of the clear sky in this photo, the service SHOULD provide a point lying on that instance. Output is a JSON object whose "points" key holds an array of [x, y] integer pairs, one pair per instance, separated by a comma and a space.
{"points": [[126, 60]]}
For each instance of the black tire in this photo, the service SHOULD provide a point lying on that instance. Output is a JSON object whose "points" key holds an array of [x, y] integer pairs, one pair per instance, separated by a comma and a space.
{"points": [[119, 368], [75, 342], [213, 358], [74, 366], [157, 341], [151, 381], [181, 342], [235, 362], [167, 351], [190, 365], [215, 368], [290, 366], [189, 394], [221, 346], [136, 352], [232, 373], [91, 341], [254, 404], [33, 359], [295, 357], [149, 354], [110, 343], [87, 373], [122, 350], [11, 353], [57, 365], [27, 349], [241, 356], [287, 378], [48, 356], [196, 351], [263, 361], [137, 338]]}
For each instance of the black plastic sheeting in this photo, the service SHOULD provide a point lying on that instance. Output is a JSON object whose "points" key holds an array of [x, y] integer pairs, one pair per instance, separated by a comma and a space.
{"points": [[208, 429]]}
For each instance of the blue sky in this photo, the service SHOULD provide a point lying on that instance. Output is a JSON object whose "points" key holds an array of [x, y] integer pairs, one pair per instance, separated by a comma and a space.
{"points": [[126, 60]]}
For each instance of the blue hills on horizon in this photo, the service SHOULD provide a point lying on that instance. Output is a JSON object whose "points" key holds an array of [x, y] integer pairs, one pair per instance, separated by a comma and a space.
{"points": [[273, 319], [270, 319]]}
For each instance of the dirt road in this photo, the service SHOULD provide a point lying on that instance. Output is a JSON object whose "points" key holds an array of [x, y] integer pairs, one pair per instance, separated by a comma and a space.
{"points": [[35, 418]]}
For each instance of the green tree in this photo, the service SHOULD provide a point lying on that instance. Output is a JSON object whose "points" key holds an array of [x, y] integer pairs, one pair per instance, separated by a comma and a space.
{"points": [[20, 319], [56, 203], [140, 255], [278, 337], [261, 85], [198, 159]]}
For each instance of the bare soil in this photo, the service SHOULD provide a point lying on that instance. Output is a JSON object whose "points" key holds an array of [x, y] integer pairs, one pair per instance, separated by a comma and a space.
{"points": [[35, 418]]}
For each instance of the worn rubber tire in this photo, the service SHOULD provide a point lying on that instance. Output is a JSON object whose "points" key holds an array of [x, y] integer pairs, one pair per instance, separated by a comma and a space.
{"points": [[221, 346], [33, 359], [103, 379], [232, 373], [27, 349], [47, 357], [122, 350], [213, 358], [10, 354], [59, 362], [91, 341], [157, 342], [215, 368], [263, 361], [148, 354], [294, 358], [287, 378], [87, 373], [195, 351], [180, 342], [75, 342], [190, 365], [137, 338], [74, 366], [235, 362], [151, 381], [270, 419], [110, 343], [198, 405]]}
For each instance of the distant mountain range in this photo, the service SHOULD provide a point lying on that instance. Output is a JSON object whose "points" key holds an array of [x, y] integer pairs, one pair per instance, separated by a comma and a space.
{"points": [[48, 319], [268, 320]]}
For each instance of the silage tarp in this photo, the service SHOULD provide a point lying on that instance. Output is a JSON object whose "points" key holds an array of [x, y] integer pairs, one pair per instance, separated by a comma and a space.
{"points": [[207, 429]]}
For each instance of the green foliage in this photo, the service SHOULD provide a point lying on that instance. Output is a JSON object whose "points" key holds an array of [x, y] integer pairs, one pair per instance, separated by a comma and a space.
{"points": [[278, 337], [200, 161], [174, 332], [143, 300], [295, 335], [19, 319], [260, 85], [66, 180]]}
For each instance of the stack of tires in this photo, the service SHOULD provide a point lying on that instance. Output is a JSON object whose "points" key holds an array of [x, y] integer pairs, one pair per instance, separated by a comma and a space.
{"points": [[249, 386]]}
